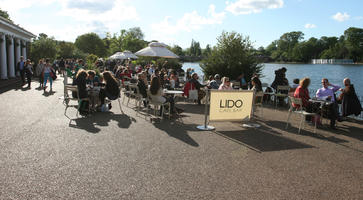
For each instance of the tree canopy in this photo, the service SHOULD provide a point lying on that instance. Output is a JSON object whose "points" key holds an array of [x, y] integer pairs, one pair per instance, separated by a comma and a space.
{"points": [[5, 14], [232, 56], [91, 43]]}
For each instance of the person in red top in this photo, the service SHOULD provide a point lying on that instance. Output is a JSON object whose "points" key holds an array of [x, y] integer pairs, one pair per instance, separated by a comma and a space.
{"points": [[302, 92]]}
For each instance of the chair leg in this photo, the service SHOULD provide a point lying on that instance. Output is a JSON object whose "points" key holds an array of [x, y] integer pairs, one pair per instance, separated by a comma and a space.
{"points": [[288, 119], [301, 123], [119, 103]]}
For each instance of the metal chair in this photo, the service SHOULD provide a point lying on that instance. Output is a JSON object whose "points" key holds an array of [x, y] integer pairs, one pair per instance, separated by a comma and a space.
{"points": [[68, 98], [298, 110], [258, 102], [158, 105], [281, 92]]}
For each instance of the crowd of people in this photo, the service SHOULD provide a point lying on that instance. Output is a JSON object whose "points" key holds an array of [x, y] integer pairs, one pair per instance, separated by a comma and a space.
{"points": [[152, 80]]}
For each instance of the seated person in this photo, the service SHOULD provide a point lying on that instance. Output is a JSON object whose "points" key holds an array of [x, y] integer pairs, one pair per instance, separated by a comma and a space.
{"points": [[92, 78], [214, 84], [302, 92], [111, 90], [142, 86], [328, 94], [80, 81], [241, 79], [349, 100], [256, 84], [294, 85], [226, 84], [157, 96]]}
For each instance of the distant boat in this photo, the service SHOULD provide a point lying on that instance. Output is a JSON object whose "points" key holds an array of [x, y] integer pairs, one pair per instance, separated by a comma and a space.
{"points": [[332, 61]]}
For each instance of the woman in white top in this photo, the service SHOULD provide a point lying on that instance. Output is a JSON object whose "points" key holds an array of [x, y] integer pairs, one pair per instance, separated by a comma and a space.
{"points": [[157, 95], [226, 84], [47, 70]]}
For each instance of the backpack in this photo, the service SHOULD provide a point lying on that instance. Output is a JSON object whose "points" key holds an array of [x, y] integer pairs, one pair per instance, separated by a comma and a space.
{"points": [[83, 107]]}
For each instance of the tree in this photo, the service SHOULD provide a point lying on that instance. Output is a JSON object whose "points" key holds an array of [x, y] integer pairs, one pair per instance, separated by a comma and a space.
{"points": [[177, 50], [5, 14], [206, 52], [287, 42], [232, 56], [65, 49], [43, 47], [194, 49], [354, 43], [91, 43]]}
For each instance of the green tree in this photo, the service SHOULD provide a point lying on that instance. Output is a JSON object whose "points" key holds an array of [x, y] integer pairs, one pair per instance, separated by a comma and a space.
{"points": [[91, 43], [286, 44], [177, 50], [65, 49], [5, 14], [43, 47], [194, 49], [232, 56], [206, 52], [354, 43]]}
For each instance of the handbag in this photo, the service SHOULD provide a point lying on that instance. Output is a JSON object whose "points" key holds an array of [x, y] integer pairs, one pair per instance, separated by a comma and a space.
{"points": [[193, 94], [53, 74]]}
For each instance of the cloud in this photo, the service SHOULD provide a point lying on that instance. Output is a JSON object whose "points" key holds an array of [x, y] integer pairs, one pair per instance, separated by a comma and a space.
{"points": [[244, 7], [310, 26], [189, 22], [341, 17], [95, 6]]}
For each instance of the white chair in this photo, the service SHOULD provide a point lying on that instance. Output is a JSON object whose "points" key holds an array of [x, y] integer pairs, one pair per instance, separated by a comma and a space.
{"points": [[136, 95], [68, 98], [158, 105], [281, 92], [299, 111]]}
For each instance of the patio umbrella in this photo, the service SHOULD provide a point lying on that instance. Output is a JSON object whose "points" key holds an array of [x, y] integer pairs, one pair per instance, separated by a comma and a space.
{"points": [[156, 49], [124, 55]]}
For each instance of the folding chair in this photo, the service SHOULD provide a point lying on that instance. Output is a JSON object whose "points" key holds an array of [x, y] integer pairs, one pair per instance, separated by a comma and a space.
{"points": [[258, 102], [281, 92], [158, 105], [298, 110]]}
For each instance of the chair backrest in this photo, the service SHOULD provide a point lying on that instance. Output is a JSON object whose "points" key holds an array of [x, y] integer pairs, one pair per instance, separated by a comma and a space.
{"points": [[282, 89], [134, 88], [235, 84], [295, 103]]}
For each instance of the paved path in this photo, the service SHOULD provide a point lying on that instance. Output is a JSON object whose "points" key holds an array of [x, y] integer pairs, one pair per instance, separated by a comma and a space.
{"points": [[44, 155]]}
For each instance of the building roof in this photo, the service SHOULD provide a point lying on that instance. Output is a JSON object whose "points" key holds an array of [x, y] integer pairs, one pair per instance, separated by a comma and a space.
{"points": [[15, 27]]}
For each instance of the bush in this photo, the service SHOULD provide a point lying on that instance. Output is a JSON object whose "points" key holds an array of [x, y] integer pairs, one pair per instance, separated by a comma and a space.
{"points": [[232, 56]]}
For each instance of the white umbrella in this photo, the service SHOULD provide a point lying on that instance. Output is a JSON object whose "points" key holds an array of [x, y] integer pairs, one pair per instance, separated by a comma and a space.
{"points": [[118, 55], [129, 54], [123, 55], [156, 49]]}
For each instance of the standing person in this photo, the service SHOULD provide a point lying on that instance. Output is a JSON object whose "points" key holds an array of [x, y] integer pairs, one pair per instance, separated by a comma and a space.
{"points": [[328, 94], [39, 72], [226, 84], [28, 68], [20, 68], [111, 89], [47, 71], [62, 66], [280, 78]]}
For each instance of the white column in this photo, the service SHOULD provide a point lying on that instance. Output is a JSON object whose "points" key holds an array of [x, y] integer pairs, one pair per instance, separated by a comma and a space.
{"points": [[3, 66], [11, 58], [17, 53], [23, 49]]}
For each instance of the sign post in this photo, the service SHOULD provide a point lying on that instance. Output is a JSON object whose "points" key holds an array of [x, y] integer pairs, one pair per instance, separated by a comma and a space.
{"points": [[206, 127]]}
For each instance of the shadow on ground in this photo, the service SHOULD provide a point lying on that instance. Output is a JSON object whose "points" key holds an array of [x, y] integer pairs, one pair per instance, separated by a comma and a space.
{"points": [[178, 130], [262, 139], [101, 119]]}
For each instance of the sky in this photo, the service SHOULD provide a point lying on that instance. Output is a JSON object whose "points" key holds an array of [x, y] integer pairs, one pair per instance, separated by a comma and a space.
{"points": [[177, 22]]}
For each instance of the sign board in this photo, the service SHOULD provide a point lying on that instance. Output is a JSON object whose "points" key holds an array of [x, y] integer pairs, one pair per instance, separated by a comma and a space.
{"points": [[230, 105]]}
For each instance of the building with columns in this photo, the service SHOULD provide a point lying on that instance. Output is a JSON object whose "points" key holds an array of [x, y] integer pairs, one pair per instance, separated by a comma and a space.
{"points": [[13, 44]]}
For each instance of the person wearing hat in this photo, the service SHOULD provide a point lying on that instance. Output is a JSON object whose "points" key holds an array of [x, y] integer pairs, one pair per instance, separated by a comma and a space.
{"points": [[214, 84]]}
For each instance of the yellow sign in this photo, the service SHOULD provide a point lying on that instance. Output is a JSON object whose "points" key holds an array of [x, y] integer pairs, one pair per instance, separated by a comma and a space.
{"points": [[229, 105]]}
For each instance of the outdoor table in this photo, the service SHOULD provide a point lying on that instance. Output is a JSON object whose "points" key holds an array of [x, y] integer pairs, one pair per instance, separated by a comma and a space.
{"points": [[322, 103], [173, 92]]}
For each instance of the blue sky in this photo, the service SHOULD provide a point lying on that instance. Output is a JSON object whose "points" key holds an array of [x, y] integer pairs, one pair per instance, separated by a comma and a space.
{"points": [[178, 22]]}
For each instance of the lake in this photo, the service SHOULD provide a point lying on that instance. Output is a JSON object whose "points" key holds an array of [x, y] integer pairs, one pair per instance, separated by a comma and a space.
{"points": [[335, 73]]}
